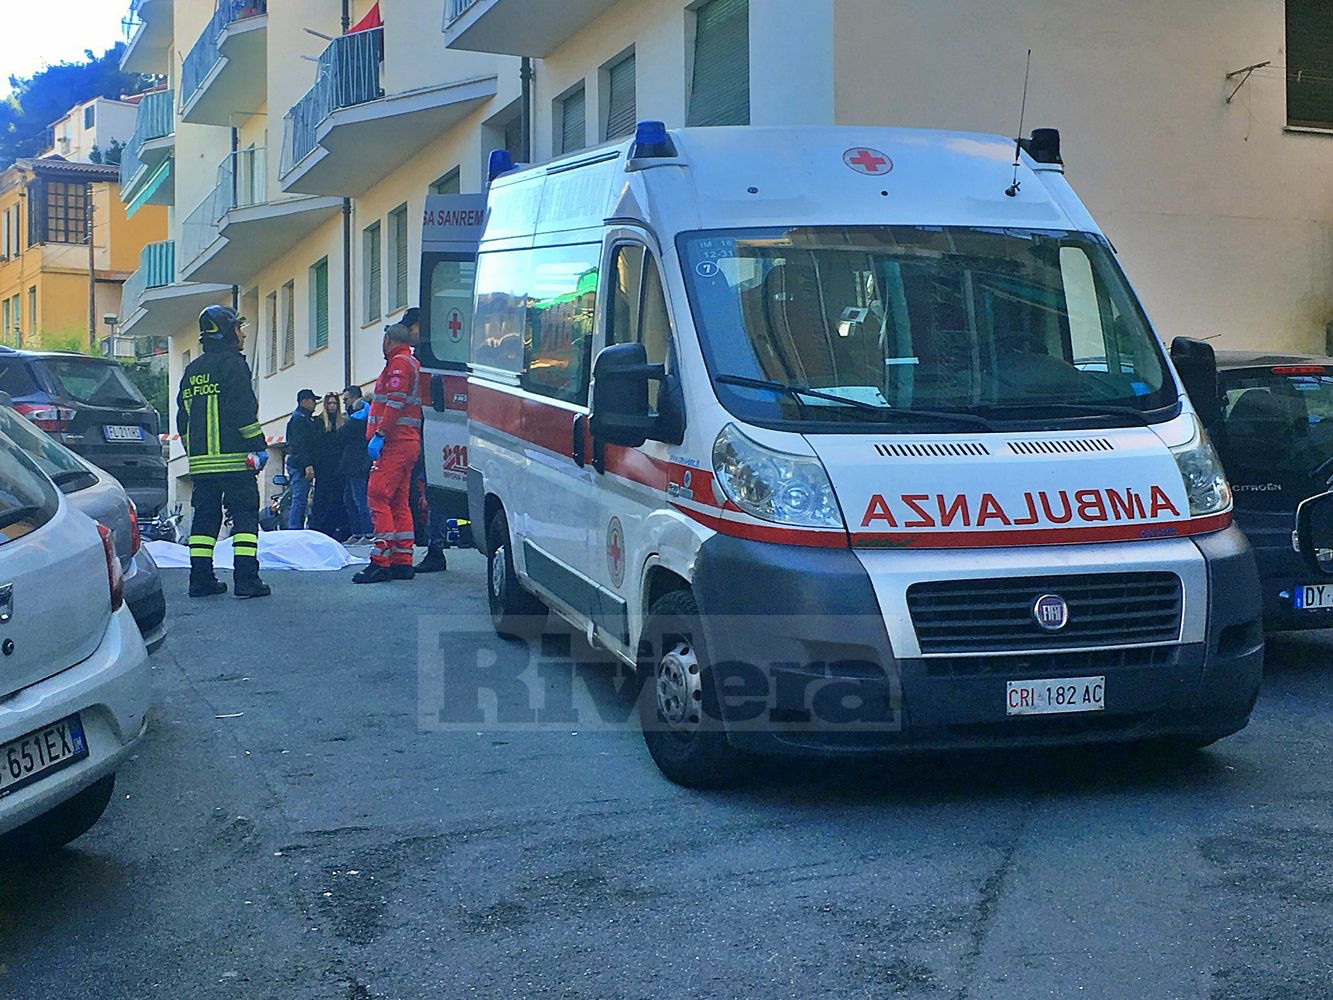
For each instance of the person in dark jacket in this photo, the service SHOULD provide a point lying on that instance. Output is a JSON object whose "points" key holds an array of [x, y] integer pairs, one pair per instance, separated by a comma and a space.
{"points": [[327, 513], [300, 461], [217, 417], [355, 465]]}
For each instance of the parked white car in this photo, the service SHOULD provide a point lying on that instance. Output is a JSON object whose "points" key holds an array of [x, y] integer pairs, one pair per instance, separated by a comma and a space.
{"points": [[74, 674]]}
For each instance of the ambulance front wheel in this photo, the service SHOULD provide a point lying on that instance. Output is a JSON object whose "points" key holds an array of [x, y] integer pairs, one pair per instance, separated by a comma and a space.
{"points": [[515, 613], [678, 703]]}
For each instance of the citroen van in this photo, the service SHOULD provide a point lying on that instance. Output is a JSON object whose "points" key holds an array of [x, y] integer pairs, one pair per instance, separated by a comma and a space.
{"points": [[850, 440]]}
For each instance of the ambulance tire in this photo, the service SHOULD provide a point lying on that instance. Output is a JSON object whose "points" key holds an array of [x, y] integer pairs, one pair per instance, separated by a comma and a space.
{"points": [[515, 613], [688, 745]]}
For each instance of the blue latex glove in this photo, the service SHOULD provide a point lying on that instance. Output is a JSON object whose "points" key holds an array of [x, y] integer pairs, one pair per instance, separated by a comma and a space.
{"points": [[360, 414], [256, 461], [374, 446]]}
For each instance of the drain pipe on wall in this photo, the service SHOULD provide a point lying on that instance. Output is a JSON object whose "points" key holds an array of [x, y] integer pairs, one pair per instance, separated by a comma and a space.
{"points": [[347, 249], [526, 74], [235, 145]]}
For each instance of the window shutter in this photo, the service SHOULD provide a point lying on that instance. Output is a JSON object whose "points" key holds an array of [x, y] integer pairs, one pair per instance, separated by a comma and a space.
{"points": [[573, 128], [289, 325], [321, 304], [399, 258], [620, 114], [272, 334], [720, 89], [1310, 63], [373, 272]]}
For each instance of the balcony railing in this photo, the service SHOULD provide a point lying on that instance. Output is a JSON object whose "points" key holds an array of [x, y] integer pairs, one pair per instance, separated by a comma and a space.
{"points": [[348, 74], [157, 269], [205, 53], [156, 119], [457, 8], [242, 182]]}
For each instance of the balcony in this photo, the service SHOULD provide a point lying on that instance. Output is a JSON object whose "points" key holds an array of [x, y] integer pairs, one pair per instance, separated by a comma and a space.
{"points": [[155, 303], [145, 162], [226, 72], [149, 48], [236, 231], [517, 27], [327, 133]]}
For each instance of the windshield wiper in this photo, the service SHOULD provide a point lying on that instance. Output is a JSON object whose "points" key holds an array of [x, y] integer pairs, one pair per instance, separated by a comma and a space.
{"points": [[797, 391], [17, 514], [1074, 409]]}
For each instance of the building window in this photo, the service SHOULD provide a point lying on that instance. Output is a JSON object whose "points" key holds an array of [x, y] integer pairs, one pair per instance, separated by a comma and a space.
{"points": [[450, 183], [620, 109], [319, 306], [5, 251], [32, 310], [5, 322], [89, 116], [271, 321], [720, 79], [66, 212], [571, 120], [18, 319], [289, 324], [370, 271], [1310, 63], [398, 243]]}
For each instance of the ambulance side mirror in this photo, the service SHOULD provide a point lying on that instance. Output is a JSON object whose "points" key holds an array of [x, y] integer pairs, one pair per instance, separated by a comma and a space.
{"points": [[1313, 537], [619, 413], [1197, 366]]}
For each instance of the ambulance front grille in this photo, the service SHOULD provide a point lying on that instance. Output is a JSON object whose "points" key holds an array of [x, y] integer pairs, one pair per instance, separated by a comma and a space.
{"points": [[992, 616], [937, 449], [1062, 446]]}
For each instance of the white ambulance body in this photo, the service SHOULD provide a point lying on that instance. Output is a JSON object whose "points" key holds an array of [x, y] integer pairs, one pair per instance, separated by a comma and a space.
{"points": [[913, 449]]}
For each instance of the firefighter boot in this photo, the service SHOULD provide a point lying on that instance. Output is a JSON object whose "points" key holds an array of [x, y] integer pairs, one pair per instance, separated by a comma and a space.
{"points": [[246, 578], [202, 581], [433, 562]]}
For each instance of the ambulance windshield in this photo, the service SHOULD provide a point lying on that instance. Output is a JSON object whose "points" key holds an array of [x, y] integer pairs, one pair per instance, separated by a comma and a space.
{"points": [[993, 324]]}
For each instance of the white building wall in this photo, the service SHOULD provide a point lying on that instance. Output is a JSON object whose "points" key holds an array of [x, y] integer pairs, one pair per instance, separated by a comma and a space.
{"points": [[1223, 220]]}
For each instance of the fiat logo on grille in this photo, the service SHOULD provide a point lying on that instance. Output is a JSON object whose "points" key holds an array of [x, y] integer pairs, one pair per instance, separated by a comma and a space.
{"points": [[1051, 612]]}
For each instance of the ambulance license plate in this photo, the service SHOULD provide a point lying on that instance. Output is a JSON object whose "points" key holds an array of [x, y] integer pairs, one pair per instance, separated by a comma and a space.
{"points": [[1313, 596], [42, 752], [1055, 696]]}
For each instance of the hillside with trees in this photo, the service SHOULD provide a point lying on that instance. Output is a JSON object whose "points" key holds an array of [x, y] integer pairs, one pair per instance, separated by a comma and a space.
{"points": [[39, 100]]}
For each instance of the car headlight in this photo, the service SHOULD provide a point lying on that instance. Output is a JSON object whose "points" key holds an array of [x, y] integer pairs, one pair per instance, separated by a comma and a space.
{"points": [[1205, 483], [773, 485]]}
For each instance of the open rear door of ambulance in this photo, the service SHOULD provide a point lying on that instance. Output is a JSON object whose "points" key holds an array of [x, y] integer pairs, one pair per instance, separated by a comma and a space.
{"points": [[451, 230]]}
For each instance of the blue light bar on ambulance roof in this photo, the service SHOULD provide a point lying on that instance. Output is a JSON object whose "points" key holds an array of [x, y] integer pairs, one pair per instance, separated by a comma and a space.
{"points": [[651, 142], [500, 163]]}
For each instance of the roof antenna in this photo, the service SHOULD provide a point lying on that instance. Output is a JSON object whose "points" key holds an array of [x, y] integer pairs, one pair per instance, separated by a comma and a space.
{"points": [[1012, 189]]}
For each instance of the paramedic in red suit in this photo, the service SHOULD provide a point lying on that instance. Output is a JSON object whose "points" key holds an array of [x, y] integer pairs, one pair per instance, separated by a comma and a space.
{"points": [[393, 431]]}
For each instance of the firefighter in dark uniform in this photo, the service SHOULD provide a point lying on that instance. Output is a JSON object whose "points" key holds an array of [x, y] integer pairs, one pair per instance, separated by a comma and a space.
{"points": [[217, 417]]}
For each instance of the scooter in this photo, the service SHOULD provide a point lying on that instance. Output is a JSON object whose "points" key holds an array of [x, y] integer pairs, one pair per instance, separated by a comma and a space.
{"points": [[273, 516], [164, 526]]}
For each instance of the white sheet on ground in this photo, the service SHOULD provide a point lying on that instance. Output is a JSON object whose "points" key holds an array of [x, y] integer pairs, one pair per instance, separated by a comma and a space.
{"points": [[311, 551]]}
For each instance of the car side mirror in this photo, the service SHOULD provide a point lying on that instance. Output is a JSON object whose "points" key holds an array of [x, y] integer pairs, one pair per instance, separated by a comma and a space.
{"points": [[280, 480], [6, 399], [1196, 363], [1313, 537], [619, 412]]}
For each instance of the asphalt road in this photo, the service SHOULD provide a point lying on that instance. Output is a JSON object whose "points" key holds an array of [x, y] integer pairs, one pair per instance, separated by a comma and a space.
{"points": [[288, 830]]}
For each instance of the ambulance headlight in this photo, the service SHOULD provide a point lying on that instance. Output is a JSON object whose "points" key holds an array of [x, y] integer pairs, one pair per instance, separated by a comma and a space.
{"points": [[1205, 482], [773, 485]]}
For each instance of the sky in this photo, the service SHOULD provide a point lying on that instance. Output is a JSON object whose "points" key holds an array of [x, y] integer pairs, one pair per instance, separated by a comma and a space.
{"points": [[53, 31]]}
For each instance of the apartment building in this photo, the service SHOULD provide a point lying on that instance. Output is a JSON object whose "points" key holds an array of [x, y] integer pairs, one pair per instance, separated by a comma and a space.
{"points": [[90, 129], [66, 248], [298, 143]]}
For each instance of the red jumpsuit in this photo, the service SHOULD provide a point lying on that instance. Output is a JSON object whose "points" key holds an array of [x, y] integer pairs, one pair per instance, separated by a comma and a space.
{"points": [[395, 413]]}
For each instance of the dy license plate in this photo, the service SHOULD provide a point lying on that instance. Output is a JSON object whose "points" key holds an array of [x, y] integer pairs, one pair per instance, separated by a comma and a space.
{"points": [[41, 753], [1055, 697], [123, 432], [1313, 596]]}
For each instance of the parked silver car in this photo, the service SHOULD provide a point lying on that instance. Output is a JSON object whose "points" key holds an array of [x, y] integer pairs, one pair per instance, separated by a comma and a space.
{"points": [[74, 673], [102, 498]]}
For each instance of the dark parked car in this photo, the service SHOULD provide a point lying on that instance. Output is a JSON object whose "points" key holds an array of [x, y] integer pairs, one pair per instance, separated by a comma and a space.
{"points": [[90, 406], [1276, 443]]}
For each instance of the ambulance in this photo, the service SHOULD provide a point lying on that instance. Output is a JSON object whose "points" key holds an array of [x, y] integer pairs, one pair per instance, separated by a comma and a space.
{"points": [[850, 440]]}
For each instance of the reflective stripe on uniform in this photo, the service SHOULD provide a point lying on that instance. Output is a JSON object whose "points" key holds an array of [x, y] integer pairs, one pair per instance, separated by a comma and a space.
{"points": [[251, 430], [245, 543], [214, 427], [409, 422], [201, 546], [204, 464]]}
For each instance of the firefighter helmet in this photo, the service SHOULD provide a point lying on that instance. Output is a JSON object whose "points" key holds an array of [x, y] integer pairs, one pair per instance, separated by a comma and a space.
{"points": [[218, 323]]}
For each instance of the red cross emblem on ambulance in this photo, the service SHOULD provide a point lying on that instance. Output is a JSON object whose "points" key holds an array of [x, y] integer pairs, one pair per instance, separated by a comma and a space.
{"points": [[455, 325], [865, 160]]}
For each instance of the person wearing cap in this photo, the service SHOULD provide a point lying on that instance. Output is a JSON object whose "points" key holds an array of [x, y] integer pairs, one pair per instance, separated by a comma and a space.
{"points": [[301, 434], [217, 417], [394, 430]]}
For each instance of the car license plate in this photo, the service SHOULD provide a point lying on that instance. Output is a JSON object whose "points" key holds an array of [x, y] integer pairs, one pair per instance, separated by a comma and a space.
{"points": [[41, 753], [1313, 596], [1055, 696], [122, 432]]}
